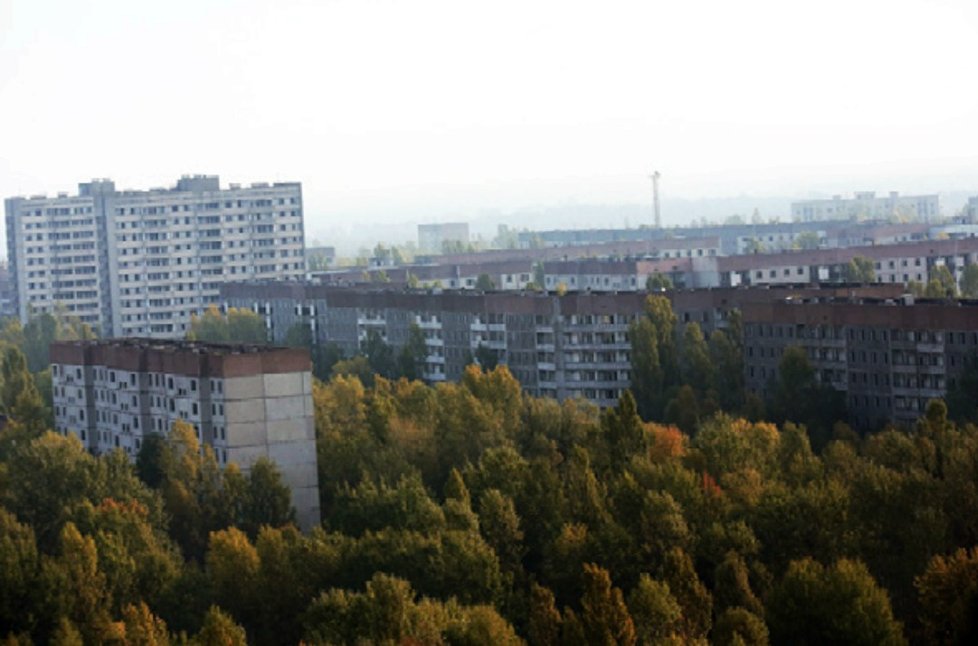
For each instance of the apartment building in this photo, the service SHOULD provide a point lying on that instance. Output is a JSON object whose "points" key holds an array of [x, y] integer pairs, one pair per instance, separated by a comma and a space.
{"points": [[889, 356], [893, 263], [504, 274], [244, 401], [865, 205], [432, 238], [575, 345], [141, 263]]}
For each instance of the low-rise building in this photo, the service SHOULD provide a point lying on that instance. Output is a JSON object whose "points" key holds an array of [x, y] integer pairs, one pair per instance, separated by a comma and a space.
{"points": [[244, 401]]}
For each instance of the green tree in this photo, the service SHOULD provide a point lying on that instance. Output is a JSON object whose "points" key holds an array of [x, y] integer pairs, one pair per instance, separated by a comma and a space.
{"points": [[238, 326], [500, 526], [268, 499], [485, 283], [657, 282], [655, 367], [604, 614], [860, 270], [656, 613], [219, 628], [839, 604], [969, 281], [299, 336], [807, 240], [941, 284], [19, 398], [697, 366], [19, 572], [740, 627], [411, 358]]}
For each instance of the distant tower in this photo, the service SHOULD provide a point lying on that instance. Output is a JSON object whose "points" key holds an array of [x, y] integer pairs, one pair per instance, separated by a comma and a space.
{"points": [[655, 198]]}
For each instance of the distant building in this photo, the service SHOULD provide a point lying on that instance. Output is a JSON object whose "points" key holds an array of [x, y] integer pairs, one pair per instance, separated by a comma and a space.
{"points": [[432, 238], [244, 401], [866, 205], [8, 296], [320, 258], [141, 263]]}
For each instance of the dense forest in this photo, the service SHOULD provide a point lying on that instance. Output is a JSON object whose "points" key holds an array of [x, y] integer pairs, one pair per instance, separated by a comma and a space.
{"points": [[471, 513]]}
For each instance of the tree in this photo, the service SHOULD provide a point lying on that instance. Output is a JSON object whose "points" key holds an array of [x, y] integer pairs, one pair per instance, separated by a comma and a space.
{"points": [[268, 500], [411, 358], [19, 398], [941, 284], [813, 604], [299, 336], [741, 627], [860, 270], [220, 629], [697, 366], [693, 597], [969, 281], [238, 326], [948, 594], [657, 282], [500, 526], [656, 613], [485, 283], [655, 367], [19, 570], [544, 621], [604, 615], [78, 587], [232, 570], [486, 357], [807, 240], [380, 356]]}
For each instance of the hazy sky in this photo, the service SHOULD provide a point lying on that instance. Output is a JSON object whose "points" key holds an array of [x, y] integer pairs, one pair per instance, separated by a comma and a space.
{"points": [[424, 110]]}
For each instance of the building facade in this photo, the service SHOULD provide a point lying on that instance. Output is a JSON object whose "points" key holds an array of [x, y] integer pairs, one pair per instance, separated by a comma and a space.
{"points": [[865, 205], [243, 401], [889, 356], [432, 237], [575, 345], [141, 263]]}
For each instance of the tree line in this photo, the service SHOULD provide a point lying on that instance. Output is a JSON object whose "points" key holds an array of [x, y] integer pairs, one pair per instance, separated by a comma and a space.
{"points": [[471, 513]]}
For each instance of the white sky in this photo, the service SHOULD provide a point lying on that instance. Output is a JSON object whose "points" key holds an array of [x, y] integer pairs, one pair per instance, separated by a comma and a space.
{"points": [[405, 111]]}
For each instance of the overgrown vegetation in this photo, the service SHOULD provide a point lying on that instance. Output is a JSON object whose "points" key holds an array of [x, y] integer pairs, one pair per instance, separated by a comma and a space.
{"points": [[470, 513]]}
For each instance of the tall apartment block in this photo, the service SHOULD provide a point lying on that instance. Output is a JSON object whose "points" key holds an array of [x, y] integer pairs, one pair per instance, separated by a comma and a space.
{"points": [[865, 205], [244, 401], [141, 263]]}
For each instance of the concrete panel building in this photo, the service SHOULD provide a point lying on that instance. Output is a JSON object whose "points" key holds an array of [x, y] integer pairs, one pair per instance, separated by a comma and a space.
{"points": [[244, 401], [433, 237], [889, 356], [575, 345], [141, 263], [865, 205]]}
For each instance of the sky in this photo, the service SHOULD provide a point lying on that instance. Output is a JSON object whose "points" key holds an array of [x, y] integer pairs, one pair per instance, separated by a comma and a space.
{"points": [[397, 112]]}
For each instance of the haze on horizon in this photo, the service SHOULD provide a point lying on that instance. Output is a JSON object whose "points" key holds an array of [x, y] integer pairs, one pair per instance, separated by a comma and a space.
{"points": [[393, 113]]}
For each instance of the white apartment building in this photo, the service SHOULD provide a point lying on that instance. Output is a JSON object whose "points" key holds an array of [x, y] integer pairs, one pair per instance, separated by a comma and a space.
{"points": [[865, 205], [141, 263], [243, 401], [432, 237]]}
